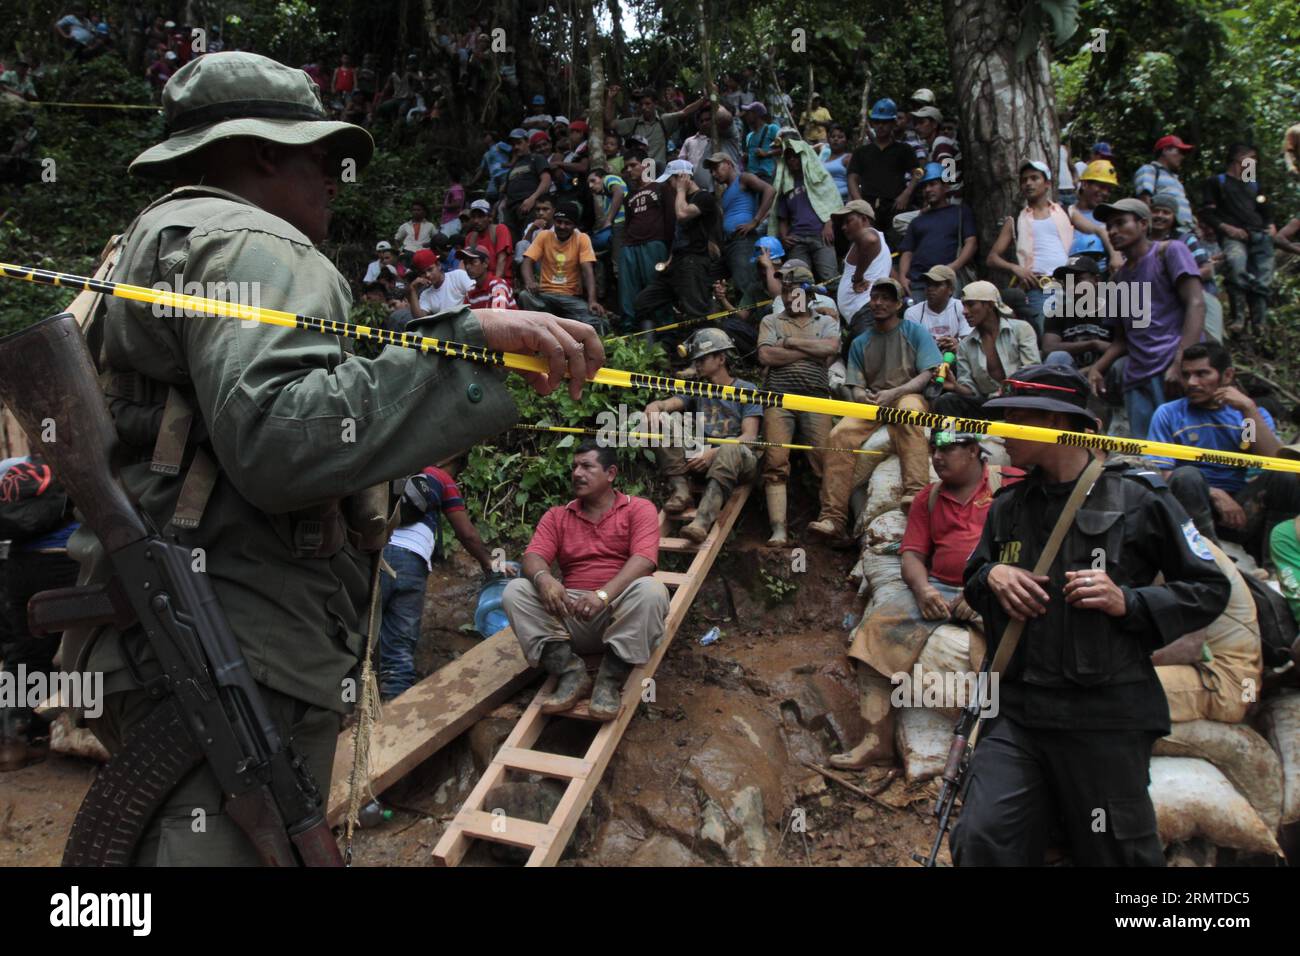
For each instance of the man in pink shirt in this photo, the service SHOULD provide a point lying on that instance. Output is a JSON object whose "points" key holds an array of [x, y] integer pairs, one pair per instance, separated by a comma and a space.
{"points": [[606, 544]]}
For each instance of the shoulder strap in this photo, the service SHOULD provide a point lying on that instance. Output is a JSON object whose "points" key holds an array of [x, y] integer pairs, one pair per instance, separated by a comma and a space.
{"points": [[933, 497], [1011, 636], [995, 478]]}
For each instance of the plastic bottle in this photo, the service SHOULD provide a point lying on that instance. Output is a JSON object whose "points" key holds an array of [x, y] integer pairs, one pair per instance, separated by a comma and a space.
{"points": [[373, 814], [710, 636]]}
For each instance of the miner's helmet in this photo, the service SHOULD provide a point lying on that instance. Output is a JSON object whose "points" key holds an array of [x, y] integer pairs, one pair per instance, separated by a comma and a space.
{"points": [[706, 342]]}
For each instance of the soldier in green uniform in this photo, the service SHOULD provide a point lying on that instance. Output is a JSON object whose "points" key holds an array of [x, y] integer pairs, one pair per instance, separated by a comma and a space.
{"points": [[244, 441]]}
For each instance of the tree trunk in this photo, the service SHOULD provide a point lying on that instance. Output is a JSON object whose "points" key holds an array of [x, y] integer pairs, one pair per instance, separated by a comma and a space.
{"points": [[596, 96], [1007, 110], [864, 127], [619, 51], [709, 88]]}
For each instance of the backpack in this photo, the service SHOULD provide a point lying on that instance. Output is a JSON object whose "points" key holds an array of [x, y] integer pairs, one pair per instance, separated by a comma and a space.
{"points": [[1277, 627], [995, 482], [32, 503]]}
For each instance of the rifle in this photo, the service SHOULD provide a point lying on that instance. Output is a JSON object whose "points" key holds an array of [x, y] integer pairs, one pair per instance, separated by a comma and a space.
{"points": [[211, 709], [964, 735]]}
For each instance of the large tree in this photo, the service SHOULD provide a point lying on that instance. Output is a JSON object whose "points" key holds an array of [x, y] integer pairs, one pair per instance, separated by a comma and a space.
{"points": [[1001, 74]]}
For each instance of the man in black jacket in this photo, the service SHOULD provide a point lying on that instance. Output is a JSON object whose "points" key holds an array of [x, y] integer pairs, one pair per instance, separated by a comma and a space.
{"points": [[1234, 205], [1079, 704]]}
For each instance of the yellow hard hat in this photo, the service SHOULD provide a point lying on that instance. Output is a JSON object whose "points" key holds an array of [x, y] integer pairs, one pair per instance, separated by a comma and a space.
{"points": [[1101, 171]]}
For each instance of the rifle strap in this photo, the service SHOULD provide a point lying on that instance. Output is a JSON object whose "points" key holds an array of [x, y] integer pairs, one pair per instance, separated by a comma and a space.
{"points": [[1082, 487]]}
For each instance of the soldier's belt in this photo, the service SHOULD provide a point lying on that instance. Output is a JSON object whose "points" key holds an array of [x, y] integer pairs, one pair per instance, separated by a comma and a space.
{"points": [[658, 383]]}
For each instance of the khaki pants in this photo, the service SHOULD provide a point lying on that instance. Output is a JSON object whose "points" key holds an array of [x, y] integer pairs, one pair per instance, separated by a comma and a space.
{"points": [[1214, 691], [631, 626], [732, 465], [781, 425], [910, 444]]}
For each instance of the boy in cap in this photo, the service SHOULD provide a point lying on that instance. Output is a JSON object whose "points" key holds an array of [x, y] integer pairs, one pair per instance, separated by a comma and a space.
{"points": [[795, 347], [761, 147], [1161, 175], [383, 257], [567, 281], [267, 462], [941, 311], [1079, 704], [941, 234], [488, 291], [997, 347], [711, 352], [889, 365]]}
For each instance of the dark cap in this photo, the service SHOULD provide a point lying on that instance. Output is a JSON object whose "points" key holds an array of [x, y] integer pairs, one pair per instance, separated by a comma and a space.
{"points": [[568, 210], [1079, 265], [477, 253], [1051, 388], [1130, 205]]}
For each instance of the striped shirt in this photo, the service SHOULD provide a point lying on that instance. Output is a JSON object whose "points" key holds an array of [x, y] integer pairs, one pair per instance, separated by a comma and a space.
{"points": [[490, 293]]}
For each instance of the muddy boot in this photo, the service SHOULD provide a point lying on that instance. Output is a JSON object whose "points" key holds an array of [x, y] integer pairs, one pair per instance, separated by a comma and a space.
{"points": [[877, 744], [681, 497], [572, 681], [607, 695], [776, 516], [828, 529], [705, 513]]}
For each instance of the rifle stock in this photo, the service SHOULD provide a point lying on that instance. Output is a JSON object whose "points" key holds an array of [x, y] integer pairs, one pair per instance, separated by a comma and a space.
{"points": [[48, 380]]}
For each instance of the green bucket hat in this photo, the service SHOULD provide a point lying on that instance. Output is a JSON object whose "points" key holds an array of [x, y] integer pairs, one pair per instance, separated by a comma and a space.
{"points": [[222, 95]]}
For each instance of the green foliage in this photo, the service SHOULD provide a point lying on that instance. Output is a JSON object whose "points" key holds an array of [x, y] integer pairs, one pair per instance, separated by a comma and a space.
{"points": [[776, 590], [291, 31], [508, 486]]}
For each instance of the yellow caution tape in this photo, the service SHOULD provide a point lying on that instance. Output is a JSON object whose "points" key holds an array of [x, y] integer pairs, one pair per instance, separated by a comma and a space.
{"points": [[657, 383]]}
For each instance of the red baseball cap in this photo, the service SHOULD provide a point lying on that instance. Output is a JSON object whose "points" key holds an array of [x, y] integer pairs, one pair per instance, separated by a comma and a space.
{"points": [[422, 259], [580, 125], [1164, 142], [539, 137]]}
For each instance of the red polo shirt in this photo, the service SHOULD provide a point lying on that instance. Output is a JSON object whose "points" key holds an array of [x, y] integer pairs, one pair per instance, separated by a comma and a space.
{"points": [[946, 537], [590, 554]]}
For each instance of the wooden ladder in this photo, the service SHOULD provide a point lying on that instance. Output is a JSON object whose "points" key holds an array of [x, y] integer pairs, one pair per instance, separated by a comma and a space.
{"points": [[546, 841]]}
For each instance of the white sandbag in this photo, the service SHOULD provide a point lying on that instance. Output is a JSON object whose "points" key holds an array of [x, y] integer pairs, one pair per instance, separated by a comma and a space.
{"points": [[995, 450], [1192, 798], [947, 651], [1279, 720], [1242, 755], [922, 736], [885, 532], [65, 738], [885, 490]]}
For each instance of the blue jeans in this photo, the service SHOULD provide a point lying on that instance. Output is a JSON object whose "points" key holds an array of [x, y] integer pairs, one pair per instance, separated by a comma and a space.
{"points": [[1037, 300], [1141, 401], [402, 600]]}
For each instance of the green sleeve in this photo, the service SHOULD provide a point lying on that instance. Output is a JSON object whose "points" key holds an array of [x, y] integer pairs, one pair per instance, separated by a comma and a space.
{"points": [[292, 423], [1286, 555]]}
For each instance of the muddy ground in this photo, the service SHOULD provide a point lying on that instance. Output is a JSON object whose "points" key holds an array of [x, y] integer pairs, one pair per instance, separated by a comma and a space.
{"points": [[710, 772]]}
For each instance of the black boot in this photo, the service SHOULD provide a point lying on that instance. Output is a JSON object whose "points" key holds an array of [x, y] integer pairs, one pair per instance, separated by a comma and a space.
{"points": [[607, 696], [571, 673]]}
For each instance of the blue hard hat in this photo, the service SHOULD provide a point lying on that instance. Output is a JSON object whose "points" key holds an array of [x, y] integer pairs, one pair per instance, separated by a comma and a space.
{"points": [[885, 109], [773, 246], [933, 171]]}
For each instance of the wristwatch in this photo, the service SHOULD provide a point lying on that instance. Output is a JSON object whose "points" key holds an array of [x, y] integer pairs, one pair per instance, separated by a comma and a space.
{"points": [[603, 595]]}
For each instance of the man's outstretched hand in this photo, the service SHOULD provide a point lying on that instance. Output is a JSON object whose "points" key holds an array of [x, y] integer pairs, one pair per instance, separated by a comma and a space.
{"points": [[569, 347]]}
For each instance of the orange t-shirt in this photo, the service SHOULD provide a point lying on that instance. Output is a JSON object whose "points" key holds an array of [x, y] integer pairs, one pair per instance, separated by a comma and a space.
{"points": [[561, 261]]}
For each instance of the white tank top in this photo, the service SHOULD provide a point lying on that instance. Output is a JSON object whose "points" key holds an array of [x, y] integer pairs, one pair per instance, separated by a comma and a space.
{"points": [[848, 301], [1048, 253]]}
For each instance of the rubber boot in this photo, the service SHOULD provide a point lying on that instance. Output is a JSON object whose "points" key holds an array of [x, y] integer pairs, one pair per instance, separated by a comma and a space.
{"points": [[681, 497], [572, 680], [877, 744], [607, 695], [828, 529], [706, 512], [776, 516]]}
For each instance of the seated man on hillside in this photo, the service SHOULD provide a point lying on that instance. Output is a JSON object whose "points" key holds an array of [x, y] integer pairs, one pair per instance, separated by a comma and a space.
{"points": [[711, 352], [943, 526], [1217, 415], [607, 547], [889, 365], [998, 347], [1215, 673], [567, 283]]}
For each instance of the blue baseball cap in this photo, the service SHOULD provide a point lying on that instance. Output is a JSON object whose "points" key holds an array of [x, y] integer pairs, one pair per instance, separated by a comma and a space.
{"points": [[539, 100], [885, 109], [773, 246], [1103, 149], [933, 171]]}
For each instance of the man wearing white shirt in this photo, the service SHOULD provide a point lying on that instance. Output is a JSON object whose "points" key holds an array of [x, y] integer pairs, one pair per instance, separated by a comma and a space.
{"points": [[383, 257], [867, 262], [940, 311], [433, 290]]}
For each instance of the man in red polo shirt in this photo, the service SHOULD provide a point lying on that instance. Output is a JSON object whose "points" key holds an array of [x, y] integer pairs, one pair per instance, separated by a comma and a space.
{"points": [[607, 546], [944, 524]]}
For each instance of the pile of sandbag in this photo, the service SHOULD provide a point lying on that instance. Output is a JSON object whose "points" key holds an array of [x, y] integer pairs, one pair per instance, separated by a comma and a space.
{"points": [[1229, 784]]}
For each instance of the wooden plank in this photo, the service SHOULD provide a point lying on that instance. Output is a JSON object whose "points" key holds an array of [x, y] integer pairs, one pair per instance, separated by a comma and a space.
{"points": [[672, 579], [540, 761], [502, 829], [677, 544], [431, 714]]}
